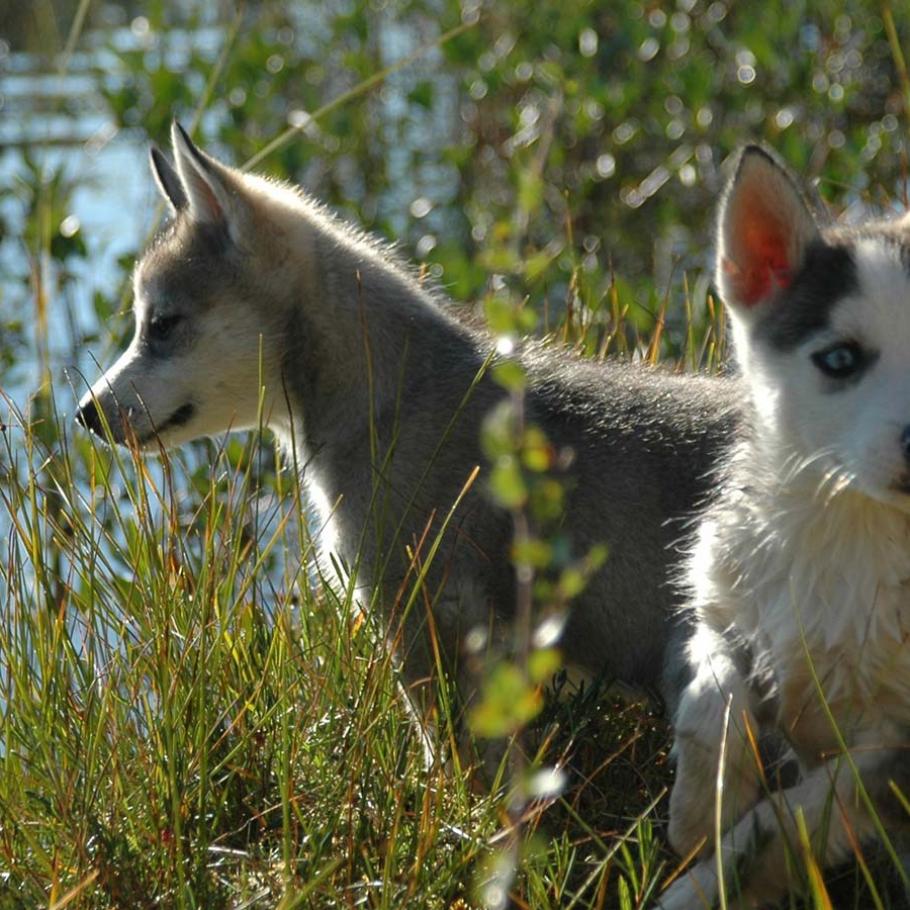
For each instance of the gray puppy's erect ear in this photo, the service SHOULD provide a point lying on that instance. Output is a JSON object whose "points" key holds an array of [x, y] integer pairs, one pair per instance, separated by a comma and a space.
{"points": [[167, 179], [764, 230], [211, 193]]}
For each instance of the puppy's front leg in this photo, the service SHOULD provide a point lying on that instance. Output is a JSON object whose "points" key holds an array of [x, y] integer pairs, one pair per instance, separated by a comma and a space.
{"points": [[717, 697], [754, 852]]}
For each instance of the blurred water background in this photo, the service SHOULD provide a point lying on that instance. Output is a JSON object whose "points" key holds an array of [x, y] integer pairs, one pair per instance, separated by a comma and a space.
{"points": [[58, 128]]}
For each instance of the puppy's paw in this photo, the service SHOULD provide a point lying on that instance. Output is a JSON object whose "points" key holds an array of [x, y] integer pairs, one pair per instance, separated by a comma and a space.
{"points": [[696, 889], [688, 832]]}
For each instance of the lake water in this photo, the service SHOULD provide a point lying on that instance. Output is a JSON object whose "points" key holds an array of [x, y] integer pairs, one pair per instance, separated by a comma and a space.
{"points": [[112, 205]]}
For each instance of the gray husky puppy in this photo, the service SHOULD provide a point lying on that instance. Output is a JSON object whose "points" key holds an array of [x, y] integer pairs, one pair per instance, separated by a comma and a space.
{"points": [[799, 577], [255, 304]]}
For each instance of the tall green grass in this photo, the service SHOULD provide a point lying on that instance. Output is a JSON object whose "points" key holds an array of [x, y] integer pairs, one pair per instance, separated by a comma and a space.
{"points": [[191, 718]]}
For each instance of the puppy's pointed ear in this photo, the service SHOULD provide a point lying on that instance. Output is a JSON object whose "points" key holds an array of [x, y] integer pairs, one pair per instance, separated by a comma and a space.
{"points": [[167, 179], [212, 192], [764, 230]]}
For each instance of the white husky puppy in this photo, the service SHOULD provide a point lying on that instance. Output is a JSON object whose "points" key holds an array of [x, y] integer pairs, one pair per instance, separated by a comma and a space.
{"points": [[799, 580], [255, 304]]}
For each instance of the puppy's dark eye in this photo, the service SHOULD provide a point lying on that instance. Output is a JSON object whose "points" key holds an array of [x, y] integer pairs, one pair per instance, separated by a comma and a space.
{"points": [[840, 360], [162, 327]]}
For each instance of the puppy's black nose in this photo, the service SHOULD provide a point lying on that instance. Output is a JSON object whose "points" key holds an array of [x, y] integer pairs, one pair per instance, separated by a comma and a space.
{"points": [[88, 416], [905, 442]]}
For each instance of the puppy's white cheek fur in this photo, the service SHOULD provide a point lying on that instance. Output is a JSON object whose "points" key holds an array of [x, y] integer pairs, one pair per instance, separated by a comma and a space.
{"points": [[872, 447], [221, 376], [763, 386], [221, 384], [877, 410], [861, 426]]}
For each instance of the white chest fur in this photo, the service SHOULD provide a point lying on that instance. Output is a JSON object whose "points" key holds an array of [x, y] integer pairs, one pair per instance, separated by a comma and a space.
{"points": [[821, 593]]}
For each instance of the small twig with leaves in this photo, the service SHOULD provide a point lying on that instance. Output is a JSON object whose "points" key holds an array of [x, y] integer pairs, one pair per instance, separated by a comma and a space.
{"points": [[527, 479]]}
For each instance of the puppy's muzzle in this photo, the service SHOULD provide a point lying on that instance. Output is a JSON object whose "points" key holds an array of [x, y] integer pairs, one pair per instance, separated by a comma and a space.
{"points": [[88, 415]]}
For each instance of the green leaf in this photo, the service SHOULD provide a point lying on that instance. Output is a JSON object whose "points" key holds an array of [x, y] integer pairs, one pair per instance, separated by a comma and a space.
{"points": [[508, 702], [530, 191], [500, 314], [537, 453], [543, 664], [507, 484], [422, 94], [547, 499], [572, 582], [498, 432], [532, 552], [510, 374], [527, 320]]}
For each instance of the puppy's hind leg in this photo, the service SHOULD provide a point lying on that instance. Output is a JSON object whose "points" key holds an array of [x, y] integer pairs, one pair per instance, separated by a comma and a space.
{"points": [[442, 675]]}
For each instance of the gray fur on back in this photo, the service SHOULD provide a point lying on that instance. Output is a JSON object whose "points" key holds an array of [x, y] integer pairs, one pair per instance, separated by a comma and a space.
{"points": [[643, 441]]}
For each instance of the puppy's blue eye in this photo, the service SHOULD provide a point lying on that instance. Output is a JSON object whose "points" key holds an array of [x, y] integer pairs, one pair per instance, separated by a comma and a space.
{"points": [[161, 327], [840, 360]]}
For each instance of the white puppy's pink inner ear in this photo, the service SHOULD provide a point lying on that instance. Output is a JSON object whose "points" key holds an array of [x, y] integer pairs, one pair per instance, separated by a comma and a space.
{"points": [[760, 250]]}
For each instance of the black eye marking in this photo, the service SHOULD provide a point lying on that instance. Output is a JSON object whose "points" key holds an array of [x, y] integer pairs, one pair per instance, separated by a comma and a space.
{"points": [[842, 359], [161, 327]]}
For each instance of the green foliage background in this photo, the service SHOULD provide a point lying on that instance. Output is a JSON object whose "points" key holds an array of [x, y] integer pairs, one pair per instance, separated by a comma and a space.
{"points": [[549, 140]]}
